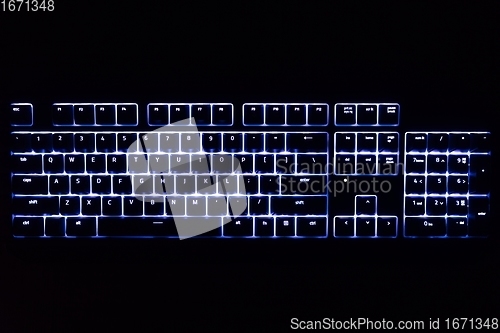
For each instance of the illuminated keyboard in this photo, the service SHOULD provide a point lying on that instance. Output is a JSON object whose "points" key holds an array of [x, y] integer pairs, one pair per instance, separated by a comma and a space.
{"points": [[256, 170]]}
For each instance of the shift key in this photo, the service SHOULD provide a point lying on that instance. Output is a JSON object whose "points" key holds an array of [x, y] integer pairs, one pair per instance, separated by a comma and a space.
{"points": [[299, 205]]}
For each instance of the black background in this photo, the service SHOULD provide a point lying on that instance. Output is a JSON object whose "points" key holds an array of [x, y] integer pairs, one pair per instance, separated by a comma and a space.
{"points": [[436, 60]]}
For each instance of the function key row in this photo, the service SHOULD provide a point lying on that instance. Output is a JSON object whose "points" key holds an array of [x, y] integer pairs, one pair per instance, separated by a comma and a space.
{"points": [[361, 114], [421, 142], [95, 114], [182, 114], [285, 114]]}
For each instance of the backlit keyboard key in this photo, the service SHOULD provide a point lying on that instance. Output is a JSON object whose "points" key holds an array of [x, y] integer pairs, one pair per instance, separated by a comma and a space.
{"points": [[388, 114], [275, 114], [345, 114], [366, 114], [296, 114], [105, 114], [62, 114], [253, 114], [317, 114], [126, 114], [21, 114], [84, 114], [222, 114]]}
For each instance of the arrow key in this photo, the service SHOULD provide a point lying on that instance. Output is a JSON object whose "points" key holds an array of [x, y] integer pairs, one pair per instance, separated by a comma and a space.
{"points": [[365, 227], [387, 226], [366, 204], [343, 226]]}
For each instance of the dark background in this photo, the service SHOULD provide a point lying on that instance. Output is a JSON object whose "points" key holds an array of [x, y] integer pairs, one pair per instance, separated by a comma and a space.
{"points": [[436, 59]]}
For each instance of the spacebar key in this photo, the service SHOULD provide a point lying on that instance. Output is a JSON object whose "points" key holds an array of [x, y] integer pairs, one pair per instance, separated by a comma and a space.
{"points": [[136, 226]]}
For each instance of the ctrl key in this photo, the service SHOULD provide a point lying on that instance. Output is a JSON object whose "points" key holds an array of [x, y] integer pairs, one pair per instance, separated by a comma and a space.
{"points": [[28, 226], [425, 227], [81, 226]]}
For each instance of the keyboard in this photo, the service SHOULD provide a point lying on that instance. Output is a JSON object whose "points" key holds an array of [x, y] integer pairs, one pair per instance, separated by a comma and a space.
{"points": [[251, 170]]}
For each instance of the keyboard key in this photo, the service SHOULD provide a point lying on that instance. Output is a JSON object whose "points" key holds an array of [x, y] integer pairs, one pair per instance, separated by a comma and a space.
{"points": [[30, 184], [21, 114], [365, 226], [479, 216], [285, 163], [388, 142], [20, 143], [481, 143], [238, 227], [388, 114], [311, 226], [285, 226], [366, 114], [91, 206], [28, 226], [416, 184], [154, 206], [298, 205], [317, 114], [222, 114], [105, 143], [425, 226], [126, 114], [457, 226], [312, 163], [414, 206], [59, 185], [81, 226], [202, 114], [35, 205], [307, 142], [95, 163], [74, 163], [122, 185], [80, 184], [480, 174], [179, 113], [458, 164], [343, 226], [416, 142], [264, 163], [132, 206], [85, 142], [460, 142], [138, 226], [345, 114], [62, 114], [415, 163], [345, 142], [169, 142], [26, 163], [41, 143], [251, 184], [244, 163], [233, 142], [437, 164], [345, 164], [190, 142], [436, 206], [388, 164], [211, 142], [253, 114], [158, 114], [254, 142], [458, 205], [127, 142], [264, 226], [259, 205], [69, 205], [275, 142], [437, 184], [105, 114], [84, 114], [387, 226], [458, 184], [101, 184], [438, 142], [55, 226], [269, 184], [366, 164], [63, 142], [111, 206], [367, 142], [275, 114], [366, 205], [296, 114]]}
